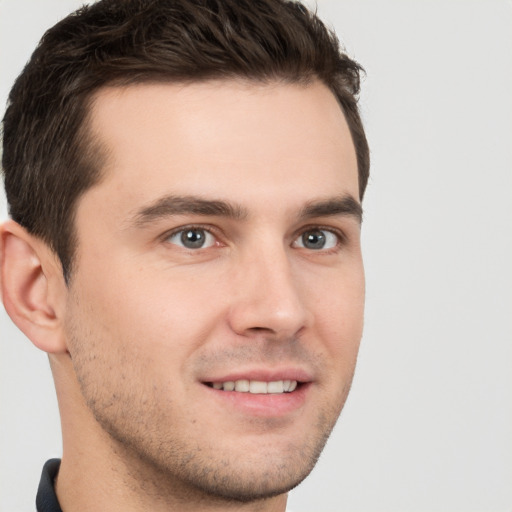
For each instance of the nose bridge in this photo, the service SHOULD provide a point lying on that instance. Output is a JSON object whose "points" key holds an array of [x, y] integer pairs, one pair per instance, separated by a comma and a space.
{"points": [[268, 295]]}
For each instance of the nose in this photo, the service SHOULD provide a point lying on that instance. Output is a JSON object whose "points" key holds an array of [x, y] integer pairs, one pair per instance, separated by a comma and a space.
{"points": [[268, 299]]}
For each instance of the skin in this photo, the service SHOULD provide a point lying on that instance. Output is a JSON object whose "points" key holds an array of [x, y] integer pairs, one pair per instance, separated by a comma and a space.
{"points": [[145, 322]]}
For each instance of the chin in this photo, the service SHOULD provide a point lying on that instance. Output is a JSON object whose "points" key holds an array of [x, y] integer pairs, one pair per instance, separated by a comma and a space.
{"points": [[261, 472], [257, 484], [222, 474]]}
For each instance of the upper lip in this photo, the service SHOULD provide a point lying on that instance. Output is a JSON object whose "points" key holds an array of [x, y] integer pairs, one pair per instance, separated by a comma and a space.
{"points": [[263, 375]]}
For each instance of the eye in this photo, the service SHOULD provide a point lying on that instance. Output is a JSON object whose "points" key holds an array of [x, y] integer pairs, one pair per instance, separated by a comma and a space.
{"points": [[317, 239], [192, 238]]}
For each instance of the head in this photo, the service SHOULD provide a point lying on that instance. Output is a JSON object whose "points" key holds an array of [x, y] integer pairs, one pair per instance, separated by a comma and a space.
{"points": [[50, 156], [189, 174]]}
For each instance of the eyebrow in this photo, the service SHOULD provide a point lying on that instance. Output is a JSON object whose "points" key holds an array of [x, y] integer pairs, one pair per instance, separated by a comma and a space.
{"points": [[191, 205], [187, 205], [345, 205]]}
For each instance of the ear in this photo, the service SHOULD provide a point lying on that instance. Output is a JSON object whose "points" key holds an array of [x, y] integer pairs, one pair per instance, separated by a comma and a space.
{"points": [[32, 287]]}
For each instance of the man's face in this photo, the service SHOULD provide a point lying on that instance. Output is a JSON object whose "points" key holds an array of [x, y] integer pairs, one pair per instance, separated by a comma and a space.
{"points": [[221, 249]]}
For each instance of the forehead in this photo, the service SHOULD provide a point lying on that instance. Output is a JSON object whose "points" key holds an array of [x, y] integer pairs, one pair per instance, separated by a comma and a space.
{"points": [[228, 139]]}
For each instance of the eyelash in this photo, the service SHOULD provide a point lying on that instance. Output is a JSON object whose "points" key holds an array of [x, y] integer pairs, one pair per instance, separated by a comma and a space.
{"points": [[208, 229], [341, 237]]}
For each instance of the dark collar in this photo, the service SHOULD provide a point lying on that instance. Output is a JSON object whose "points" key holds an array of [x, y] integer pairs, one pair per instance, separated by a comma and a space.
{"points": [[46, 500]]}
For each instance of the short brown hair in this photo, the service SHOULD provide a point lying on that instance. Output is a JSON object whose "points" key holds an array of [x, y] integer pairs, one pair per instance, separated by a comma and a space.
{"points": [[49, 158]]}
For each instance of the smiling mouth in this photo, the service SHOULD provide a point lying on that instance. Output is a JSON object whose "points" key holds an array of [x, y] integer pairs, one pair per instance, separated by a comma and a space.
{"points": [[256, 386]]}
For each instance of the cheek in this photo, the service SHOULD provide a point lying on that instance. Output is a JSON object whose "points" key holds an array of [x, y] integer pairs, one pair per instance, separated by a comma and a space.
{"points": [[157, 312], [339, 312]]}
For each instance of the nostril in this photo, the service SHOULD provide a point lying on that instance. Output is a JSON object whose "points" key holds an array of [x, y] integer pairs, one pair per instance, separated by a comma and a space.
{"points": [[260, 329]]}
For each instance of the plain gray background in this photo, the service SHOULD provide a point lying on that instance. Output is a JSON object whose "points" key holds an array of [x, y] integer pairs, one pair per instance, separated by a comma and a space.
{"points": [[428, 425]]}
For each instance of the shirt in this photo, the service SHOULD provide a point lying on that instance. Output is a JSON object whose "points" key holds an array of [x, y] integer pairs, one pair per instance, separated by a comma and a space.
{"points": [[46, 499]]}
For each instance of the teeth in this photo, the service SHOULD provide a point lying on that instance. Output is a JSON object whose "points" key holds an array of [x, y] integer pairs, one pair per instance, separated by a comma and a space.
{"points": [[257, 386], [242, 386], [275, 387], [229, 386]]}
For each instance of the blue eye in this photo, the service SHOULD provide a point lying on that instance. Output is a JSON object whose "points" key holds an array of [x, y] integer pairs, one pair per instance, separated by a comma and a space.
{"points": [[192, 238], [317, 239]]}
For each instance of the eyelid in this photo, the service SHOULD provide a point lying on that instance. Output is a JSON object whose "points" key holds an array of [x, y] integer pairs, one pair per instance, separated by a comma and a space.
{"points": [[212, 230], [339, 244], [217, 234], [336, 231]]}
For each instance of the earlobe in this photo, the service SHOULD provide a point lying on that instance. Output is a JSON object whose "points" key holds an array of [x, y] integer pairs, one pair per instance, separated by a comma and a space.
{"points": [[25, 265]]}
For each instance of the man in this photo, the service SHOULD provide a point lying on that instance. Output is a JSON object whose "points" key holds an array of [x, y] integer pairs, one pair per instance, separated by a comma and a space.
{"points": [[185, 180]]}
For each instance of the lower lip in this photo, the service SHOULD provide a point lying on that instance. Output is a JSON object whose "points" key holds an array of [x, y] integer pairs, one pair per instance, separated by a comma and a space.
{"points": [[262, 405]]}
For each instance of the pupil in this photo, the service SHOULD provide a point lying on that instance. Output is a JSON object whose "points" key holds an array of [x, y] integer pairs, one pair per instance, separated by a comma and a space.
{"points": [[193, 238], [313, 239]]}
